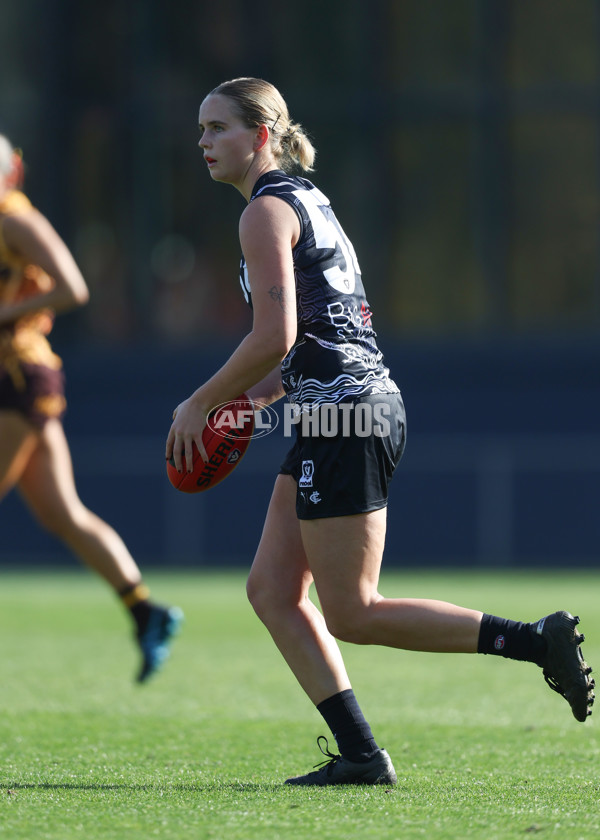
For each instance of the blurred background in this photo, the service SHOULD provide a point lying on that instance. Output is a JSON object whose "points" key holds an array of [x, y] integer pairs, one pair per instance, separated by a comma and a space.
{"points": [[460, 145]]}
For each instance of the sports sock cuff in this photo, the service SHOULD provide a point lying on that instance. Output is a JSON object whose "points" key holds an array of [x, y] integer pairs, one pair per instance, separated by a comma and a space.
{"points": [[351, 731], [334, 701], [133, 595], [510, 639]]}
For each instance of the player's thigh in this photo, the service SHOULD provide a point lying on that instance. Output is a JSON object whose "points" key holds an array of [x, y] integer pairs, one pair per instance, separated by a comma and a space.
{"points": [[280, 570], [47, 483], [344, 555], [18, 440]]}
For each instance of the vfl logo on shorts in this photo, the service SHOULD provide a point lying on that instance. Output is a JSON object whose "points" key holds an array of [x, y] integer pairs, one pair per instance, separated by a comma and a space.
{"points": [[308, 469]]}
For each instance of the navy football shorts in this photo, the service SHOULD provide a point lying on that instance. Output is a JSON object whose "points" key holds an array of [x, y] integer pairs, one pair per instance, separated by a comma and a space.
{"points": [[345, 455]]}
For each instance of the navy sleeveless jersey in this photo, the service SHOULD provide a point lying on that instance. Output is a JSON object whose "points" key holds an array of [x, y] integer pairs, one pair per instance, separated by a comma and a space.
{"points": [[335, 357]]}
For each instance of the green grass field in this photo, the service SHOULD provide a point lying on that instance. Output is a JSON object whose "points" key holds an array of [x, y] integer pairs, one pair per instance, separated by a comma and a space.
{"points": [[482, 748]]}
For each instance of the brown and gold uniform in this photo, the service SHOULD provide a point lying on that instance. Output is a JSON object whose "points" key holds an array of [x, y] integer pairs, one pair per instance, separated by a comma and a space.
{"points": [[31, 376]]}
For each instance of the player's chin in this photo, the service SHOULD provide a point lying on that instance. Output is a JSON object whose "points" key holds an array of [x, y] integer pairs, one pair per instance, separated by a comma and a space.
{"points": [[221, 176]]}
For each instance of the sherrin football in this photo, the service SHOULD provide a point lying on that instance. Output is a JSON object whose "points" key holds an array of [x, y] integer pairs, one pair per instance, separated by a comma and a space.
{"points": [[226, 438]]}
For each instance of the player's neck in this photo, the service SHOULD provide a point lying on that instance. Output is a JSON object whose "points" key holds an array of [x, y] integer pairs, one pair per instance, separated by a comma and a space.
{"points": [[256, 170]]}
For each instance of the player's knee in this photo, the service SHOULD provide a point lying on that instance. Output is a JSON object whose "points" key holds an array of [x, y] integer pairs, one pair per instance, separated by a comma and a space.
{"points": [[252, 592], [259, 595], [348, 625], [272, 604]]}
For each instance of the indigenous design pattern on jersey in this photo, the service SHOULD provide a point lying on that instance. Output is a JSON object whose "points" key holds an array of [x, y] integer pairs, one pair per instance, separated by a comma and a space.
{"points": [[335, 356]]}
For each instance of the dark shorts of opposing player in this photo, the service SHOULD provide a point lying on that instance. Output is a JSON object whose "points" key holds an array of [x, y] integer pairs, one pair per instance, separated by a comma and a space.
{"points": [[347, 474], [35, 391]]}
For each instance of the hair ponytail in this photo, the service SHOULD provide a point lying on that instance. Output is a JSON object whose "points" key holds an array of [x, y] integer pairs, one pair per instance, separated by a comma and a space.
{"points": [[296, 148]]}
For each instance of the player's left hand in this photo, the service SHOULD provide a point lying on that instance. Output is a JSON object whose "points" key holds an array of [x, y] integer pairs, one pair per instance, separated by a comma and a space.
{"points": [[189, 421]]}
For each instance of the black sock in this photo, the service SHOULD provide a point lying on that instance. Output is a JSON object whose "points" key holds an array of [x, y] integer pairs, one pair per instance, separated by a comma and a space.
{"points": [[136, 599], [511, 639], [351, 731]]}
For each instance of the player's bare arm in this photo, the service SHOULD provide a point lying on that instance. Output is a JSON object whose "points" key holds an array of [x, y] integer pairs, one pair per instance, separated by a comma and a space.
{"points": [[268, 231], [32, 236], [268, 390]]}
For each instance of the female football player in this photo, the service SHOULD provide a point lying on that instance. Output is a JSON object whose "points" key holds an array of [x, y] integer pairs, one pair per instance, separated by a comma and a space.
{"points": [[39, 277], [312, 340]]}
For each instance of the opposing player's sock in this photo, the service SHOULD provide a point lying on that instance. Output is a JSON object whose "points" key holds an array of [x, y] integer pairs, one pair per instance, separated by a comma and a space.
{"points": [[137, 600], [350, 729], [511, 639]]}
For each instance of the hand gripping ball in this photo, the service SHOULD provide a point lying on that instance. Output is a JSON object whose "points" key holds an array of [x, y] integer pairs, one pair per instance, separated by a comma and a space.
{"points": [[226, 437]]}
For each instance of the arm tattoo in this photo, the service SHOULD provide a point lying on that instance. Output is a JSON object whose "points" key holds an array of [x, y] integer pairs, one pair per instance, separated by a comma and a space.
{"points": [[278, 295]]}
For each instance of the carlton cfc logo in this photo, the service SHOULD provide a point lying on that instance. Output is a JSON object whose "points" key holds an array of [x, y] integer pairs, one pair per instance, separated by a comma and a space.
{"points": [[499, 642]]}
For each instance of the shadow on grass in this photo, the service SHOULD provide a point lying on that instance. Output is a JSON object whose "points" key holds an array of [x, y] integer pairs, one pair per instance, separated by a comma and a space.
{"points": [[197, 787]]}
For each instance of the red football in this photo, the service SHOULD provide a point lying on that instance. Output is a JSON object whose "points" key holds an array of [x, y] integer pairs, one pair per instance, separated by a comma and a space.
{"points": [[226, 438]]}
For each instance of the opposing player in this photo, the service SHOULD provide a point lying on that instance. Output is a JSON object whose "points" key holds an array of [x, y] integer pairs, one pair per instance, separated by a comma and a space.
{"points": [[39, 277], [312, 339]]}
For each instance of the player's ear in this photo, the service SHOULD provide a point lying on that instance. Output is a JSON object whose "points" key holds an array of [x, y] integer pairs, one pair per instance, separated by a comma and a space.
{"points": [[262, 138]]}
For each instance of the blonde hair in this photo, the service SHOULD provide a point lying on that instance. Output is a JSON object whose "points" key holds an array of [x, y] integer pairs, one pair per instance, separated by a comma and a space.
{"points": [[259, 103], [6, 155], [11, 164]]}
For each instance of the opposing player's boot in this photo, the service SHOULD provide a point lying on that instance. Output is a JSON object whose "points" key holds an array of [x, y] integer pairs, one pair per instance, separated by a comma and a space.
{"points": [[154, 641], [337, 770], [564, 667]]}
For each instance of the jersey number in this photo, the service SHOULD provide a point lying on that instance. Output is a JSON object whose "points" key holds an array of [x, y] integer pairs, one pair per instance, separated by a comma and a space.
{"points": [[341, 275]]}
